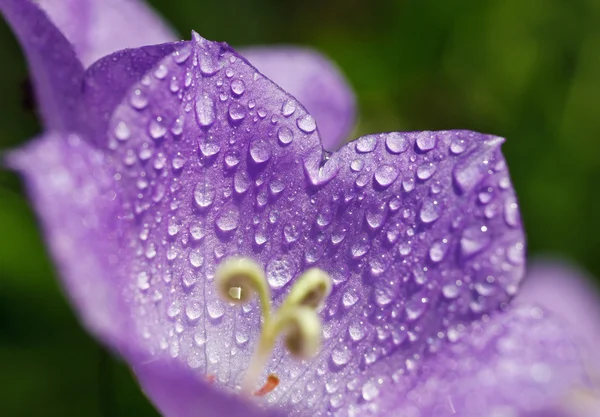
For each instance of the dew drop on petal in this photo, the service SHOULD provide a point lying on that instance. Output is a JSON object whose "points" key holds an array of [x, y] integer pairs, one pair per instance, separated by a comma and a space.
{"points": [[426, 141], [396, 143], [204, 194], [431, 210], [366, 144], [385, 175], [205, 110], [285, 135], [260, 151], [288, 108], [306, 123], [238, 87], [279, 272], [228, 219]]}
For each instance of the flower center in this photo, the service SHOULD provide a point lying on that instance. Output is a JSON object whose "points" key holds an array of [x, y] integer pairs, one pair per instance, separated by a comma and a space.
{"points": [[239, 279]]}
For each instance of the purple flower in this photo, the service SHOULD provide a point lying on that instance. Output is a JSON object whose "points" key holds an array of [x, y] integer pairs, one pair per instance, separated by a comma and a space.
{"points": [[173, 178]]}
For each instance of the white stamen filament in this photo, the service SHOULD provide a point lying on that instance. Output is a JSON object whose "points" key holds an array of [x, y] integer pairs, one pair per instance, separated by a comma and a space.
{"points": [[297, 317]]}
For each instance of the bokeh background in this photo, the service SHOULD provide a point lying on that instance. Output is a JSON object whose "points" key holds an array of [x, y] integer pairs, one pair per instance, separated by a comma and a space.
{"points": [[526, 70]]}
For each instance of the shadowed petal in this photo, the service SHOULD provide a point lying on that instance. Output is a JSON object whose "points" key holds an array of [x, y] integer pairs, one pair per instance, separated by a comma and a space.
{"points": [[100, 27], [56, 71], [316, 82], [516, 363]]}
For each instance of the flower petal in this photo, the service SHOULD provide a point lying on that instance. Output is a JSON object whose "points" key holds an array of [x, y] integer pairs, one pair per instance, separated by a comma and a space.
{"points": [[316, 82], [100, 27], [71, 186], [56, 71], [177, 392], [567, 291], [419, 231], [515, 363]]}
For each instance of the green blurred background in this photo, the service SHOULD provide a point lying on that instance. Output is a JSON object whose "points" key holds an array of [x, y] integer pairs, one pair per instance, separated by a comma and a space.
{"points": [[528, 70]]}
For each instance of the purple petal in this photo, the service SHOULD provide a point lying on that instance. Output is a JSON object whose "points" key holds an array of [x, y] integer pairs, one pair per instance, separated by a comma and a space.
{"points": [[177, 392], [420, 231], [72, 188], [567, 291], [516, 363], [56, 71], [99, 27], [316, 82]]}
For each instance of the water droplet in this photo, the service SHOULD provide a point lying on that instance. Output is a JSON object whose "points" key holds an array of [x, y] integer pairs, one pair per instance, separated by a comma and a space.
{"points": [[396, 143], [437, 251], [156, 129], [375, 216], [193, 311], [356, 331], [205, 110], [238, 87], [138, 99], [385, 175], [450, 291], [458, 146], [178, 162], [122, 131], [161, 72], [349, 298], [241, 182], [279, 272], [209, 149], [408, 185], [357, 165], [285, 135], [143, 281], [196, 258], [366, 144], [360, 248], [215, 309], [237, 112], [232, 158], [228, 219], [431, 210], [204, 194], [474, 239], [291, 233], [288, 108], [416, 306], [426, 141], [425, 171], [341, 356], [260, 151], [306, 123], [370, 391], [511, 212]]}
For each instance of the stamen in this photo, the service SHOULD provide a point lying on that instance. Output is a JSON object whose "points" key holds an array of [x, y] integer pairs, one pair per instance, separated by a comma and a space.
{"points": [[270, 385], [237, 280]]}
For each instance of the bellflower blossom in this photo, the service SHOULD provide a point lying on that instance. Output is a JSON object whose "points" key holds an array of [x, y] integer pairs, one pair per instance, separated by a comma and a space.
{"points": [[174, 180]]}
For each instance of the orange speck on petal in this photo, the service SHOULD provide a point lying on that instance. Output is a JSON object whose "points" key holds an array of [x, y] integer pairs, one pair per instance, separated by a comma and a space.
{"points": [[270, 385], [210, 379]]}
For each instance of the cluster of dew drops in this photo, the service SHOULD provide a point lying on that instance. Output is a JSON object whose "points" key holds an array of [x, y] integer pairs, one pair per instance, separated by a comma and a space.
{"points": [[382, 175]]}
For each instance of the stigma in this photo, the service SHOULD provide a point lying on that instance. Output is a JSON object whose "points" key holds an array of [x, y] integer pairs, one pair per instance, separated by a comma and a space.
{"points": [[240, 279]]}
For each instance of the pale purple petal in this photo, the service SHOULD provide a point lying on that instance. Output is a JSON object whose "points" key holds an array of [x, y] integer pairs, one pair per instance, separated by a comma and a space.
{"points": [[177, 392], [516, 363], [71, 186], [567, 291], [55, 69], [316, 82], [100, 27]]}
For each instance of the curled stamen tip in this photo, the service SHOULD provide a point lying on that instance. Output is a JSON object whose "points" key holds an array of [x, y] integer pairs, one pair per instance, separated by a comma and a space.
{"points": [[310, 290], [239, 278], [270, 385]]}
